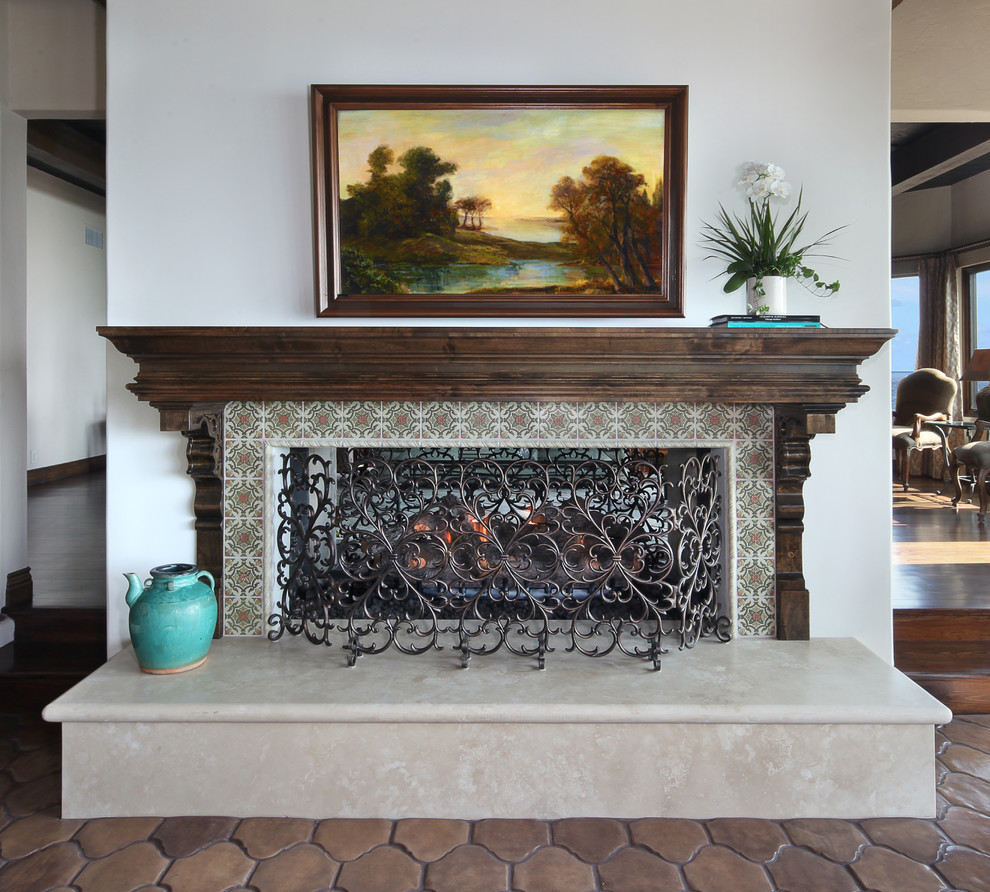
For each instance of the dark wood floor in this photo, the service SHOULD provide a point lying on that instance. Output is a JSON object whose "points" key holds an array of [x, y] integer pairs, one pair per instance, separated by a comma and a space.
{"points": [[67, 544], [941, 556]]}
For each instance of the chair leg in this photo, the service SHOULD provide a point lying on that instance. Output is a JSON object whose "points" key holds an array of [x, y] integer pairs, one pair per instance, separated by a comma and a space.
{"points": [[907, 469], [981, 487], [956, 482]]}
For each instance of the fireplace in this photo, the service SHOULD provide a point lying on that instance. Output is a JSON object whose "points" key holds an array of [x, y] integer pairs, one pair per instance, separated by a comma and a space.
{"points": [[735, 442], [237, 392], [476, 549], [771, 724]]}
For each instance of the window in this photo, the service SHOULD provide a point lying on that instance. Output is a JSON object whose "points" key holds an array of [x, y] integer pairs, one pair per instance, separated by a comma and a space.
{"points": [[976, 320], [905, 316]]}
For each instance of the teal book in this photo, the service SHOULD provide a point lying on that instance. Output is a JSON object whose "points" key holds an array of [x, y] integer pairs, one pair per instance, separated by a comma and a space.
{"points": [[727, 321]]}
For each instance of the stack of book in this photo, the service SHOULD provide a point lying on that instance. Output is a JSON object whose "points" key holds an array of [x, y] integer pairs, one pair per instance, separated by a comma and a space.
{"points": [[727, 321]]}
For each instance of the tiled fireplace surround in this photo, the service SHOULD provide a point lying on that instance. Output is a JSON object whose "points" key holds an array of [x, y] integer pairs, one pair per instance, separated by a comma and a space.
{"points": [[771, 724], [255, 433]]}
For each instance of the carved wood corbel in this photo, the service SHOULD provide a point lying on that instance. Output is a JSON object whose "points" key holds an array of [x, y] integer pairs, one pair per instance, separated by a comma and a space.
{"points": [[204, 463], [795, 426]]}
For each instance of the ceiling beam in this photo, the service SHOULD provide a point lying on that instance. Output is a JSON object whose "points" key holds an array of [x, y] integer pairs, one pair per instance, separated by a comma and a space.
{"points": [[68, 152], [938, 151]]}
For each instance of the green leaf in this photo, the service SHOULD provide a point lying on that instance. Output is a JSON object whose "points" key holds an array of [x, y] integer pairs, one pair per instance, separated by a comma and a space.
{"points": [[735, 282]]}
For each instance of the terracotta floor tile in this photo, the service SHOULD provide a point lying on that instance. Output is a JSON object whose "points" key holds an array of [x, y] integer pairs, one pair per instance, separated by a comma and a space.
{"points": [[636, 870], [718, 869], [970, 734], [32, 735], [56, 865], [212, 869], [140, 864], [468, 868], [552, 870], [942, 805], [265, 837], [674, 839], [591, 839], [836, 840], [101, 836], [34, 796], [180, 837], [8, 752], [385, 869], [965, 827], [882, 870], [305, 868], [962, 789], [39, 851], [799, 870], [36, 763], [347, 839], [29, 834], [959, 757], [752, 838], [940, 772], [429, 840], [966, 870], [511, 840], [918, 839]]}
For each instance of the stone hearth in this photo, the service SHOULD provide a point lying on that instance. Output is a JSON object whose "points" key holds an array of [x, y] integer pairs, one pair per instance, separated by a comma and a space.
{"points": [[752, 728], [761, 726]]}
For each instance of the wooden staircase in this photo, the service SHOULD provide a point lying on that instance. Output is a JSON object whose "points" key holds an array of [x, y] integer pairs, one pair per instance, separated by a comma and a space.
{"points": [[53, 649], [947, 652]]}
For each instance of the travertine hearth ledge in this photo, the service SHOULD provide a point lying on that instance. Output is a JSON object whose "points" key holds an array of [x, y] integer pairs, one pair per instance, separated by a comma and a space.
{"points": [[753, 728], [825, 680]]}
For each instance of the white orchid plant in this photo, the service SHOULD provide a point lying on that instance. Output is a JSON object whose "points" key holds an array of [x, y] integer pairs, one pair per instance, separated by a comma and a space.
{"points": [[760, 244]]}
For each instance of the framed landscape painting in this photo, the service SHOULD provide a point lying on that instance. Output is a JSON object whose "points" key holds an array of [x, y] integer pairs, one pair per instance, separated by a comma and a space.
{"points": [[499, 201]]}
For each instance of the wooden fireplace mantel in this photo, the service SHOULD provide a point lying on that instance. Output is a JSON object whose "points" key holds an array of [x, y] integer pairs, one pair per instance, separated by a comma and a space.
{"points": [[806, 375], [181, 367]]}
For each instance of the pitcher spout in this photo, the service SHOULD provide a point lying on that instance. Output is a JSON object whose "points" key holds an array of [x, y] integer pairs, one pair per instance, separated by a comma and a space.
{"points": [[134, 588]]}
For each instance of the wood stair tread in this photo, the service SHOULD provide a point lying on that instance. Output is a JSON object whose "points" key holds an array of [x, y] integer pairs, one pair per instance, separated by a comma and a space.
{"points": [[947, 652]]}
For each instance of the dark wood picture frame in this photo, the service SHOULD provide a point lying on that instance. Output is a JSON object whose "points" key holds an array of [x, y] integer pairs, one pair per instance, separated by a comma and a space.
{"points": [[328, 100]]}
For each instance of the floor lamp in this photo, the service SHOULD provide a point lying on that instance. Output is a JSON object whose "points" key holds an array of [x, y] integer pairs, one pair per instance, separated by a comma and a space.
{"points": [[979, 370]]}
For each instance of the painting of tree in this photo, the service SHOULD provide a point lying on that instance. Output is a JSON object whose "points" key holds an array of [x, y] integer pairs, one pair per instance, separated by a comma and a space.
{"points": [[491, 200], [612, 221]]}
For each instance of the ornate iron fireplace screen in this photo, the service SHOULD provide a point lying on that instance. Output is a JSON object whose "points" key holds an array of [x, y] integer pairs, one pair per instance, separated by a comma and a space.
{"points": [[496, 548]]}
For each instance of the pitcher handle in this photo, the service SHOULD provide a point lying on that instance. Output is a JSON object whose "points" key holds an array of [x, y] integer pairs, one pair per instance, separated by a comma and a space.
{"points": [[208, 575]]}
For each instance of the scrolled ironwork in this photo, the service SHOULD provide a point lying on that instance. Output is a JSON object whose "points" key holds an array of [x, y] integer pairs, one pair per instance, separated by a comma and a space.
{"points": [[485, 549]]}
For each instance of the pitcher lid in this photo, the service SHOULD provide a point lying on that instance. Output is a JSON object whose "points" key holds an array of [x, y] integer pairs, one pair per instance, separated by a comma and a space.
{"points": [[170, 571]]}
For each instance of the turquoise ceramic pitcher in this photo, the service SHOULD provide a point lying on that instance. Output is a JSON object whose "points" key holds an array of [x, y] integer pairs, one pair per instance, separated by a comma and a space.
{"points": [[172, 618]]}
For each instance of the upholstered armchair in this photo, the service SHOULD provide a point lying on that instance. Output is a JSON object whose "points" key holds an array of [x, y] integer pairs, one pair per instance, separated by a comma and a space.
{"points": [[974, 456], [923, 396]]}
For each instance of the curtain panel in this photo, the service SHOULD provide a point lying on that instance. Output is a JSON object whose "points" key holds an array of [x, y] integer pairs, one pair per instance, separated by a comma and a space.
{"points": [[939, 338]]}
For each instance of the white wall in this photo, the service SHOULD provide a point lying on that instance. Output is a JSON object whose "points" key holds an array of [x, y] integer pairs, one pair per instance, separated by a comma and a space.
{"points": [[57, 63], [209, 198], [66, 297], [13, 326], [51, 54], [945, 217], [971, 209], [921, 221], [938, 64]]}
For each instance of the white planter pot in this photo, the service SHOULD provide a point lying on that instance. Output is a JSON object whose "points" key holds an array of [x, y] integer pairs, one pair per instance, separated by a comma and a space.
{"points": [[774, 297]]}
